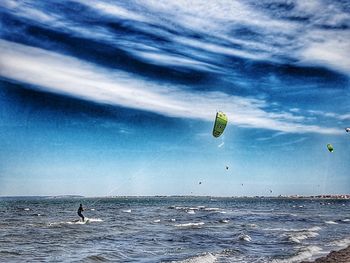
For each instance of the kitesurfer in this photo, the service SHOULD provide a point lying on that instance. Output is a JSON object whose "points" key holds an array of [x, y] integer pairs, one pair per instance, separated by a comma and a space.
{"points": [[81, 209]]}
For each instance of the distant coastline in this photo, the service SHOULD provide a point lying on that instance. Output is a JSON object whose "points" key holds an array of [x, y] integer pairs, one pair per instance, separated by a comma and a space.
{"points": [[39, 197], [336, 196]]}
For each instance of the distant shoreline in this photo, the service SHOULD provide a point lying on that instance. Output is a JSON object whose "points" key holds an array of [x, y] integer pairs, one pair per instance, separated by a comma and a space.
{"points": [[318, 197]]}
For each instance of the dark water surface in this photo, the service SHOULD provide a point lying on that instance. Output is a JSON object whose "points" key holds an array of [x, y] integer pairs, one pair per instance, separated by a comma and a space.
{"points": [[171, 229]]}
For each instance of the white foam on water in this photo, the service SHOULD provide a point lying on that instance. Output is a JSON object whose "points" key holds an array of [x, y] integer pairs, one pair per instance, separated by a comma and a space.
{"points": [[181, 208], [211, 209], [92, 209], [304, 254], [244, 237], [294, 240], [225, 221], [126, 211], [342, 243], [315, 228], [312, 229], [94, 219], [86, 221], [190, 212], [331, 222], [77, 222], [252, 225], [297, 237], [26, 209], [187, 208], [190, 224], [206, 258], [346, 220], [156, 221]]}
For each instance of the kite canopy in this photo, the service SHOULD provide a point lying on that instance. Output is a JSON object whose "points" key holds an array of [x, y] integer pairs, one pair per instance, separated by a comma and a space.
{"points": [[347, 129], [330, 147], [220, 124]]}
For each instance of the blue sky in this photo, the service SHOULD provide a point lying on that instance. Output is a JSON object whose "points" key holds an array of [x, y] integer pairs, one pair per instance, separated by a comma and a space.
{"points": [[118, 98]]}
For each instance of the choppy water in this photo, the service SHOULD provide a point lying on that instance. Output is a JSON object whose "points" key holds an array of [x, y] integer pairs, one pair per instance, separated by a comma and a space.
{"points": [[171, 229]]}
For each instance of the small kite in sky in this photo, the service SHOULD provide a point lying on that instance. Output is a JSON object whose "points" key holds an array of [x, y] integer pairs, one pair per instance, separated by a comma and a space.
{"points": [[330, 147]]}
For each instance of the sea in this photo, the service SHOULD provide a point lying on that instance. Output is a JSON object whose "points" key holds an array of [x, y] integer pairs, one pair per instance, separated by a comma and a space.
{"points": [[171, 229]]}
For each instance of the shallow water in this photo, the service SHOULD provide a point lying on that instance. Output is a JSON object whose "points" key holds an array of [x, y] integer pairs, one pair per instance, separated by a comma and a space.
{"points": [[171, 229]]}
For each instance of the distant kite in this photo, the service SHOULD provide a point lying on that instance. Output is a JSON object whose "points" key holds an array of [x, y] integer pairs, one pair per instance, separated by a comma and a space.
{"points": [[330, 147], [226, 167], [220, 124], [347, 129]]}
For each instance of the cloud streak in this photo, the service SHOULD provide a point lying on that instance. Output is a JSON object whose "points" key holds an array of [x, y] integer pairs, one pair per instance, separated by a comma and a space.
{"points": [[65, 75], [308, 33]]}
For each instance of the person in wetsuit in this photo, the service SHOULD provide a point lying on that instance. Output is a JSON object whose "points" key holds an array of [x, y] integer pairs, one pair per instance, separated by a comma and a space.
{"points": [[81, 209]]}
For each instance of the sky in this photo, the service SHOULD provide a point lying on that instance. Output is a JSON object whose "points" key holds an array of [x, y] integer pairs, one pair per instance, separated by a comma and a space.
{"points": [[106, 98]]}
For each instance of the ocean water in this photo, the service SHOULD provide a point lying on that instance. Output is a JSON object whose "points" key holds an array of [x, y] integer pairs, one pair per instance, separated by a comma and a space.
{"points": [[171, 229]]}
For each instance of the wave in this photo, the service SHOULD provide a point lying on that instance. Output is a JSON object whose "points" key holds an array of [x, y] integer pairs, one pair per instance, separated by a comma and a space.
{"points": [[312, 229], [342, 243], [304, 254], [95, 258], [211, 209], [250, 225], [244, 237], [94, 220], [205, 258], [298, 237], [77, 222], [346, 220], [126, 211], [190, 224], [185, 208], [331, 222]]}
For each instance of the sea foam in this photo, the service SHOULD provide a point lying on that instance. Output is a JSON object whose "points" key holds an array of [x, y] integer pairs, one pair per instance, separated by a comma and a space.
{"points": [[305, 253], [190, 224], [205, 258]]}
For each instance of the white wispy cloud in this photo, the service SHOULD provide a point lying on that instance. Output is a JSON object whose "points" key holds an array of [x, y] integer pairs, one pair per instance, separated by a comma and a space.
{"points": [[277, 134], [334, 115], [306, 43], [62, 74], [328, 48], [161, 58]]}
